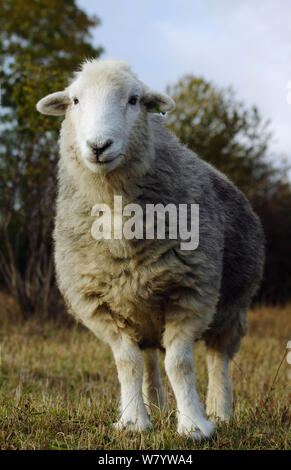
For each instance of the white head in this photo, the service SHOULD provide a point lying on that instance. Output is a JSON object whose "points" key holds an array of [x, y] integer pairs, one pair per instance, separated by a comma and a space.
{"points": [[103, 103]]}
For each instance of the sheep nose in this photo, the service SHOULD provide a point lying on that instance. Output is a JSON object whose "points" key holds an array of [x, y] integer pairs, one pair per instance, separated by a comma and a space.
{"points": [[99, 149]]}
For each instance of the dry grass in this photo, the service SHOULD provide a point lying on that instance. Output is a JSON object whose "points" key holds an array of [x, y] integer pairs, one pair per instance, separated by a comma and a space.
{"points": [[59, 389]]}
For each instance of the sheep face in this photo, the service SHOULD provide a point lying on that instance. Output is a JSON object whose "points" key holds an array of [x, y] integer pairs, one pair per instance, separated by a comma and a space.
{"points": [[103, 116], [103, 103]]}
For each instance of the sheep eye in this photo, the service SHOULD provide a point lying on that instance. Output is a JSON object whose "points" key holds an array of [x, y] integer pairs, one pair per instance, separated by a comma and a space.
{"points": [[75, 101], [132, 100]]}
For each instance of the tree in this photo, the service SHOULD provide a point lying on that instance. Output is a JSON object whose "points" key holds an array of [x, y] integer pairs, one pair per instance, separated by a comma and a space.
{"points": [[218, 127], [42, 42], [235, 140]]}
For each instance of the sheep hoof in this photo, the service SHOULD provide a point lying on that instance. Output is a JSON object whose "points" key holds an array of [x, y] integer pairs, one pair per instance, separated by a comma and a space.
{"points": [[204, 431], [215, 418], [218, 415], [139, 425]]}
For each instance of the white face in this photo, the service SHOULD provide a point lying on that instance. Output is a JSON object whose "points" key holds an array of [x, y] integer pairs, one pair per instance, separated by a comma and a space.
{"points": [[103, 116], [102, 105]]}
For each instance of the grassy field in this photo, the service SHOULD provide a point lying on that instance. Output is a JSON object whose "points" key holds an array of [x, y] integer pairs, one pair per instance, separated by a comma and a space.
{"points": [[59, 389]]}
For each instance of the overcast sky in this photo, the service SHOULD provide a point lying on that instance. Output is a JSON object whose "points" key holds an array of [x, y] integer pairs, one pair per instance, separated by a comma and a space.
{"points": [[243, 43]]}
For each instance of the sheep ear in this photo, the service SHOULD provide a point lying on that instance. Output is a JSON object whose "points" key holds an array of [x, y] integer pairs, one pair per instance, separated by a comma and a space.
{"points": [[158, 103], [54, 104]]}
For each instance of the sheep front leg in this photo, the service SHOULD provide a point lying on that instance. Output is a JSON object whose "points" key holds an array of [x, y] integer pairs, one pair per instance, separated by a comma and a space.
{"points": [[179, 364], [152, 385], [129, 363], [219, 394]]}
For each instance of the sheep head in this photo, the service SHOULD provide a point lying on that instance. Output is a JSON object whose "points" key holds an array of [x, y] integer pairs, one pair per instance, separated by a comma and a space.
{"points": [[103, 103]]}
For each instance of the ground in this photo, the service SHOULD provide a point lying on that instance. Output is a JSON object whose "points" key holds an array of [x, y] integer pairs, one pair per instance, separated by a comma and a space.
{"points": [[59, 389]]}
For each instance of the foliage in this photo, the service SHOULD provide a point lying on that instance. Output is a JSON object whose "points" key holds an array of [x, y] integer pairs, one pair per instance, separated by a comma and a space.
{"points": [[275, 213], [41, 44]]}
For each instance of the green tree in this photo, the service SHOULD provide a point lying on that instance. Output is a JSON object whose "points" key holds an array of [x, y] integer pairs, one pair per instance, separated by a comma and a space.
{"points": [[219, 128], [42, 42]]}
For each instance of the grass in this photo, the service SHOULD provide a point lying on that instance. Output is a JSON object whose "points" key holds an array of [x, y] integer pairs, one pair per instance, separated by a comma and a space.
{"points": [[59, 389]]}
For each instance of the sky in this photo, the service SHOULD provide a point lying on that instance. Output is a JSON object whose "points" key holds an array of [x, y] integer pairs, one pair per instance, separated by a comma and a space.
{"points": [[242, 43]]}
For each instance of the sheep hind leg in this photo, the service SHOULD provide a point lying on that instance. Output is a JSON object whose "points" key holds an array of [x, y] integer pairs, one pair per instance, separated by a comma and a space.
{"points": [[129, 362], [153, 391], [219, 393]]}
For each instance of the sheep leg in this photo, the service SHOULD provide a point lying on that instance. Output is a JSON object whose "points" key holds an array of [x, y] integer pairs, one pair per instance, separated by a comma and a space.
{"points": [[152, 385], [219, 393], [129, 362], [179, 364]]}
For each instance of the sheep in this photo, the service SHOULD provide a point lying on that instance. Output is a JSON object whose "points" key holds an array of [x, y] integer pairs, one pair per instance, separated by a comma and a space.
{"points": [[142, 295]]}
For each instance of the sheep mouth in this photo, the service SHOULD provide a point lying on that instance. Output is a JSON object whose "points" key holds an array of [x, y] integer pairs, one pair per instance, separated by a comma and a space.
{"points": [[107, 164]]}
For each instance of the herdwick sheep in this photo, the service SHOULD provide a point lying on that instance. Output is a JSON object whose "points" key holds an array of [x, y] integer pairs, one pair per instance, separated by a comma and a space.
{"points": [[141, 295]]}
